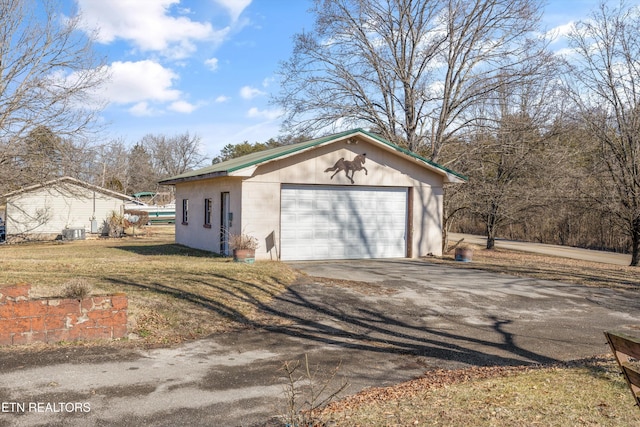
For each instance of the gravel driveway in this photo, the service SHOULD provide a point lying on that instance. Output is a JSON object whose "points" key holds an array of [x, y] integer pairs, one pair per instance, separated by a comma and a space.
{"points": [[380, 322]]}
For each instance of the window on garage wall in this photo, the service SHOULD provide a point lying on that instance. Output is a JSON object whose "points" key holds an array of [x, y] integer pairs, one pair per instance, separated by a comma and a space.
{"points": [[185, 211], [207, 213]]}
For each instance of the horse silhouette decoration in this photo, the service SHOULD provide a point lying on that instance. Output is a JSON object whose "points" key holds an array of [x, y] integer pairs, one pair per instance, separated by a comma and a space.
{"points": [[349, 166]]}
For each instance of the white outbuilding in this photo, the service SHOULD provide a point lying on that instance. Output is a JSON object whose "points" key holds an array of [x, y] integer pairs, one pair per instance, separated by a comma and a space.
{"points": [[64, 207], [345, 196]]}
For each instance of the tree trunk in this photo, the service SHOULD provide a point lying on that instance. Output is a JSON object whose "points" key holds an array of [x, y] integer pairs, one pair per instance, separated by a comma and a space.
{"points": [[491, 242], [492, 220], [635, 242]]}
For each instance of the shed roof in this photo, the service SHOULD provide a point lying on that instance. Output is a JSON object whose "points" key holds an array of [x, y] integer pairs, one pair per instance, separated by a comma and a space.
{"points": [[68, 180], [244, 166]]}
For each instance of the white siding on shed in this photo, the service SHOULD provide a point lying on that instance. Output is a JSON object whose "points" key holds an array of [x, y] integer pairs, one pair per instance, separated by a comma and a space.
{"points": [[49, 210]]}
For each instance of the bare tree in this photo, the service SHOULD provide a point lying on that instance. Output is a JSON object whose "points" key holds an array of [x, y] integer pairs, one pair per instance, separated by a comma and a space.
{"points": [[408, 69], [605, 86], [112, 161], [47, 71], [173, 155]]}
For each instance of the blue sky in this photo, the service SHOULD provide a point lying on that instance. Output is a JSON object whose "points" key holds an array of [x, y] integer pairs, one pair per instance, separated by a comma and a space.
{"points": [[208, 66]]}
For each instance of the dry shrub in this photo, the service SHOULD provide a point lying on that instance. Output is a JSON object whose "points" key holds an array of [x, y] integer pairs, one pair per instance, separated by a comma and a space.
{"points": [[76, 288]]}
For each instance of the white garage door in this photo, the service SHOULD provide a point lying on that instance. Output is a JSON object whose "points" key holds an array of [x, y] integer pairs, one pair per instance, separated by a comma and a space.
{"points": [[319, 222]]}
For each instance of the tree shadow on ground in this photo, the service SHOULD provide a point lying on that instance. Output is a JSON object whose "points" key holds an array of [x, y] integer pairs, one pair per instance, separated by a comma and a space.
{"points": [[167, 250], [328, 316]]}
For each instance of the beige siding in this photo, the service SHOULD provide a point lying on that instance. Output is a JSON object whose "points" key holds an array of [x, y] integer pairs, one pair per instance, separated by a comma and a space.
{"points": [[384, 168], [427, 220], [50, 210], [261, 192], [255, 200], [261, 215], [194, 234]]}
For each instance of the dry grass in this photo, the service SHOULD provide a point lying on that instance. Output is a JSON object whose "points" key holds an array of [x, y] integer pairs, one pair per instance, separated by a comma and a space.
{"points": [[550, 268], [175, 293], [587, 393]]}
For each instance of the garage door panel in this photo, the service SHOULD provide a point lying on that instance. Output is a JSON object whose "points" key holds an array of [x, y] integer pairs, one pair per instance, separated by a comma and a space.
{"points": [[343, 222]]}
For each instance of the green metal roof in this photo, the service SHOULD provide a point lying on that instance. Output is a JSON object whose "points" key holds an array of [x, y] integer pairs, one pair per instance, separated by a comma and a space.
{"points": [[253, 159]]}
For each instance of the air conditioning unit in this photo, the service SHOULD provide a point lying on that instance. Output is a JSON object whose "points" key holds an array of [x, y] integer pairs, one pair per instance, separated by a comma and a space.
{"points": [[73, 234]]}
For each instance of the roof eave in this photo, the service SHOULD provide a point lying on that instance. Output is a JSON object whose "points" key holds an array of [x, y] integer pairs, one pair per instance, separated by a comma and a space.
{"points": [[179, 180], [72, 180]]}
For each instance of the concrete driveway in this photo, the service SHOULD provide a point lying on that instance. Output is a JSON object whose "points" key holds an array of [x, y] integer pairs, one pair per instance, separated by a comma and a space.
{"points": [[381, 322]]}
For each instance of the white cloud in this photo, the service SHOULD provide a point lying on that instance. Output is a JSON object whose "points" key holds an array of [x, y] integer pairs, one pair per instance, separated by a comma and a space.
{"points": [[148, 25], [234, 7], [140, 81], [182, 107], [268, 81], [141, 109], [212, 64], [222, 99], [248, 92], [264, 114]]}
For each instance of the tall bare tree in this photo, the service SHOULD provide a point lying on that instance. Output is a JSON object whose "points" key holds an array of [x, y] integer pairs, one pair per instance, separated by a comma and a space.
{"points": [[408, 69], [606, 89], [173, 155], [112, 161], [47, 70]]}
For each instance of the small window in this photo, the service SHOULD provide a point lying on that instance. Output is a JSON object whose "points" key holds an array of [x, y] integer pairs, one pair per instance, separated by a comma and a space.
{"points": [[207, 213], [185, 211]]}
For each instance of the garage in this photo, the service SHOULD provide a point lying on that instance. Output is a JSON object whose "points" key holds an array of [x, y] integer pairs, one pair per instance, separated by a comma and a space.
{"points": [[338, 222], [349, 195]]}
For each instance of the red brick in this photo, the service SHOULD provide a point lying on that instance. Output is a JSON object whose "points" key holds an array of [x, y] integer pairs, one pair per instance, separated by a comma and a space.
{"points": [[63, 306], [21, 309], [38, 308], [57, 335], [20, 325], [16, 291], [86, 304], [119, 302], [114, 319], [37, 323], [6, 310], [5, 339], [54, 322], [119, 331], [75, 334], [28, 338], [101, 302], [98, 333], [99, 314]]}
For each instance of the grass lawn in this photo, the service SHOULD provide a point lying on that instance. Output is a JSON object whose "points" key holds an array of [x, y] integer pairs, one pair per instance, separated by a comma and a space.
{"points": [[584, 393], [175, 293]]}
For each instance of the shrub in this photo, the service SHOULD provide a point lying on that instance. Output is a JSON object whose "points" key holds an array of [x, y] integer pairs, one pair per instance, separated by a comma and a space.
{"points": [[76, 288], [115, 224], [243, 241]]}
